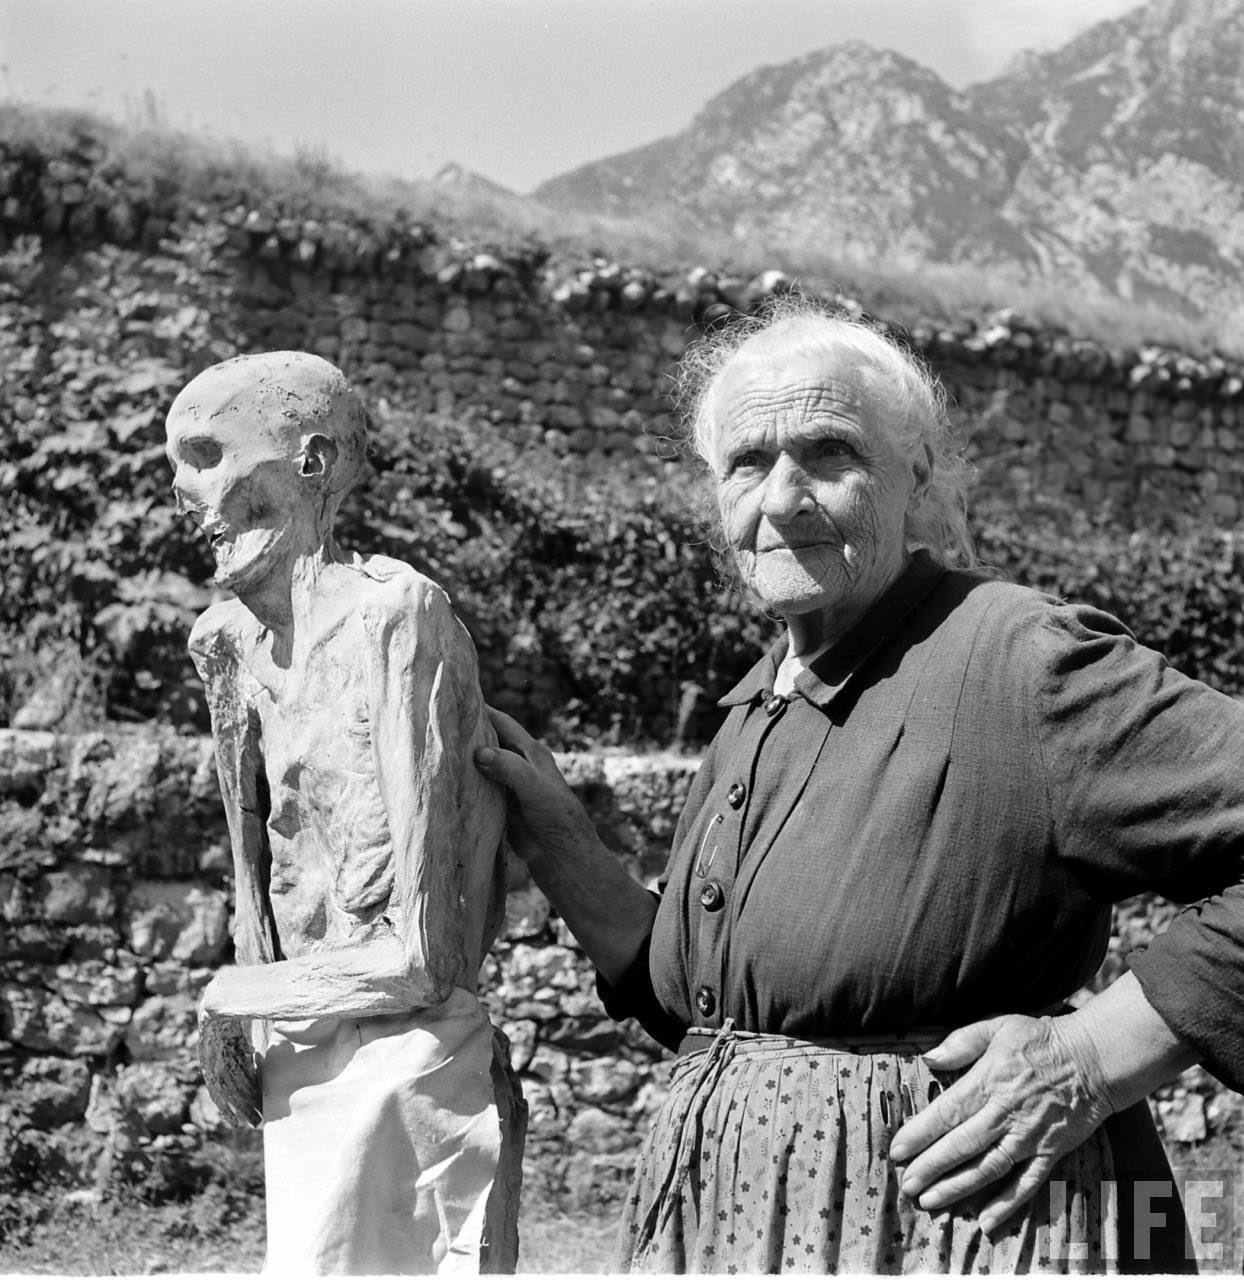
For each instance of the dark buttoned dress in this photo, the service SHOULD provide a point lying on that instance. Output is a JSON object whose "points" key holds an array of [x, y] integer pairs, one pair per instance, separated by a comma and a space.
{"points": [[930, 830]]}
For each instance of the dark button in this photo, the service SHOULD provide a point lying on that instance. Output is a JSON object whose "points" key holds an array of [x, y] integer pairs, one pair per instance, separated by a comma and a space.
{"points": [[712, 896], [736, 795], [774, 705], [706, 1002]]}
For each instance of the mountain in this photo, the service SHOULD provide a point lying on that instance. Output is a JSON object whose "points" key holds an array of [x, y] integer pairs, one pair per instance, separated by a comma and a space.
{"points": [[468, 181], [1114, 164]]}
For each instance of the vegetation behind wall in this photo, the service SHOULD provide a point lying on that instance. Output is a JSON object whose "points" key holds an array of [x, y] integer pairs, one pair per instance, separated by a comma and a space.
{"points": [[522, 453], [521, 458]]}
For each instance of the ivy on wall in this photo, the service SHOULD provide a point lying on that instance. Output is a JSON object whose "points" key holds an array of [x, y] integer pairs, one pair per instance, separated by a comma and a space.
{"points": [[588, 586]]}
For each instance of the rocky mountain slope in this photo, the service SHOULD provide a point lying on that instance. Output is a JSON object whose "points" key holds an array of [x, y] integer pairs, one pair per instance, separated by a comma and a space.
{"points": [[1114, 165]]}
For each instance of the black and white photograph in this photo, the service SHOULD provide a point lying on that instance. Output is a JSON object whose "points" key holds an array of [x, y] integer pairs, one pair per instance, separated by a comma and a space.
{"points": [[621, 637]]}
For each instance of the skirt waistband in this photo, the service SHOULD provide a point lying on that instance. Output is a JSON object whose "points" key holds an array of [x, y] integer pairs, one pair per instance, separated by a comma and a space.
{"points": [[915, 1040]]}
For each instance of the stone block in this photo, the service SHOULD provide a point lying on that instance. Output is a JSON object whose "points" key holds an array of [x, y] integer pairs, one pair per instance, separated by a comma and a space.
{"points": [[39, 1020], [26, 758], [163, 1027], [155, 1094], [604, 418], [1183, 1118], [596, 1080], [178, 921], [104, 1113], [483, 323], [514, 329], [171, 978], [544, 1116], [119, 776], [1225, 508], [526, 912], [1139, 429], [674, 339], [82, 894], [15, 899], [582, 1004], [34, 942], [52, 1091], [1224, 1110], [596, 1034], [533, 967], [90, 942], [205, 1114], [96, 983], [413, 337], [569, 419], [523, 1035]]}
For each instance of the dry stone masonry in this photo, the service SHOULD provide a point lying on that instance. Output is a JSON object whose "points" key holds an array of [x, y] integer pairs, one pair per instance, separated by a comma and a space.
{"points": [[114, 868], [580, 353], [115, 910], [114, 913]]}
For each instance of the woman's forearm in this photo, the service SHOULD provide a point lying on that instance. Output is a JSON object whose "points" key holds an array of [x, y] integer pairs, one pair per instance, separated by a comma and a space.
{"points": [[609, 913], [1136, 1051]]}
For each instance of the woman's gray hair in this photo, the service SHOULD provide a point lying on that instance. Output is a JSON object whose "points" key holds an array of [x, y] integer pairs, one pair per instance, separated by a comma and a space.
{"points": [[896, 386]]}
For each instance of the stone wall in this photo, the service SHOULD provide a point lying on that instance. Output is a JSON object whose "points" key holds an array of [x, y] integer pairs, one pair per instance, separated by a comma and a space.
{"points": [[113, 855], [586, 361], [579, 353], [114, 911], [114, 902]]}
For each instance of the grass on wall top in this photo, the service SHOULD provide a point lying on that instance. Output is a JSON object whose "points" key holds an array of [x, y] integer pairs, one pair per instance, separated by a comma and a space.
{"points": [[148, 154]]}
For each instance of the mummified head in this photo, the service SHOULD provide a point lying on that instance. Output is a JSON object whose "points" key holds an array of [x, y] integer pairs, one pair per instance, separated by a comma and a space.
{"points": [[264, 448]]}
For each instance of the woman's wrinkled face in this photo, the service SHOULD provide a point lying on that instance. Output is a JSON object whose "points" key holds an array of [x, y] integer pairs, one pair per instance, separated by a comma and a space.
{"points": [[813, 491]]}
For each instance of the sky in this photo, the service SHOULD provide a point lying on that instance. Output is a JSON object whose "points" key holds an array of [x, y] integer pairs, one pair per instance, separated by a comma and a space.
{"points": [[518, 90]]}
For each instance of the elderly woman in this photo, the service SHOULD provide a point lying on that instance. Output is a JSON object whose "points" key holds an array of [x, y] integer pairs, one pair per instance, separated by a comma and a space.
{"points": [[897, 863]]}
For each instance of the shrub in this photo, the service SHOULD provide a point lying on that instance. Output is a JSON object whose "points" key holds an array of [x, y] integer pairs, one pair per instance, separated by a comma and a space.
{"points": [[605, 575], [590, 593], [1180, 589], [92, 554]]}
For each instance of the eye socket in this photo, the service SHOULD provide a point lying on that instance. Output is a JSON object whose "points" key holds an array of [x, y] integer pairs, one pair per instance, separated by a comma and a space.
{"points": [[200, 452], [835, 447], [747, 460]]}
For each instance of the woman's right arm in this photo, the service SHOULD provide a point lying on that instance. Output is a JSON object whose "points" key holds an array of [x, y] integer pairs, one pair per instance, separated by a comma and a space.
{"points": [[609, 913]]}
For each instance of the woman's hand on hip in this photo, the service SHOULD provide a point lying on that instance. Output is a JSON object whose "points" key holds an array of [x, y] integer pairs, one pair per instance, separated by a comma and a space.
{"points": [[1033, 1091]]}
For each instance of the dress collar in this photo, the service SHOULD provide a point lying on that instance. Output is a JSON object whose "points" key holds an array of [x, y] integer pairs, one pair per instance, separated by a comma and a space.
{"points": [[826, 677]]}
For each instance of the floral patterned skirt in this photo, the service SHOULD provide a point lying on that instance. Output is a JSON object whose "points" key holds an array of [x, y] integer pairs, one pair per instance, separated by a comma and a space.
{"points": [[771, 1155]]}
